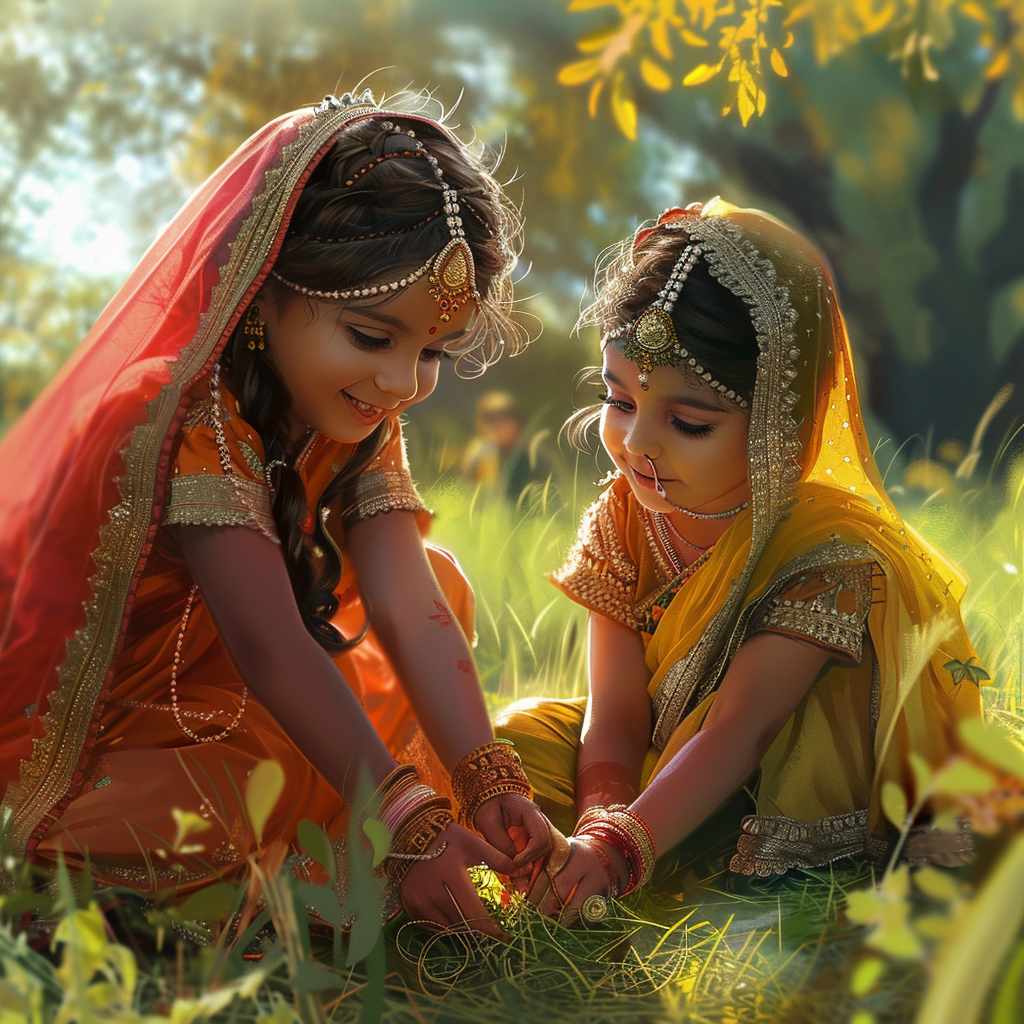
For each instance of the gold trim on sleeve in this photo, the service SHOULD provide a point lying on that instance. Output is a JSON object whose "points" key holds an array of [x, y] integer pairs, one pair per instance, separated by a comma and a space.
{"points": [[204, 499]]}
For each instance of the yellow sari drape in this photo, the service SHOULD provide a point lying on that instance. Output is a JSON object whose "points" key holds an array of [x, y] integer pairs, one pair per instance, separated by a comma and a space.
{"points": [[817, 502]]}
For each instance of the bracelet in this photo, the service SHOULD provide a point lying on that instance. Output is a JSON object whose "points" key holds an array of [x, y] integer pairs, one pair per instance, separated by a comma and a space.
{"points": [[606, 863], [414, 815], [415, 835], [490, 770], [628, 833]]}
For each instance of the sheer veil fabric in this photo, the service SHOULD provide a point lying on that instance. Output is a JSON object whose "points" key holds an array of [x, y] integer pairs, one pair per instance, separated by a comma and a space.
{"points": [[85, 469]]}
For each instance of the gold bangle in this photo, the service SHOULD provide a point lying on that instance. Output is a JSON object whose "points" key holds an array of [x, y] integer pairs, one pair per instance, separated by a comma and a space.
{"points": [[490, 770]]}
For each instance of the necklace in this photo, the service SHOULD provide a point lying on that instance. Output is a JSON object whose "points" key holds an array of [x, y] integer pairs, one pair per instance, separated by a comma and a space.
{"points": [[662, 525], [659, 487]]}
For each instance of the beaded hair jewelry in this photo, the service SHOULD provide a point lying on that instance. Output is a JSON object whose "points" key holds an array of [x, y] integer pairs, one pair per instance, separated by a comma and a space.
{"points": [[652, 339], [451, 272]]}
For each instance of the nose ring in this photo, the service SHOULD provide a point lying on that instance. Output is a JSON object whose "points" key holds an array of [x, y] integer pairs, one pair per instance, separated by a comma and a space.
{"points": [[658, 486]]}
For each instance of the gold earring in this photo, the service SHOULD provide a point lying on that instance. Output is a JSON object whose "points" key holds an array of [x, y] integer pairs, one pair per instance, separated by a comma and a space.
{"points": [[252, 327]]}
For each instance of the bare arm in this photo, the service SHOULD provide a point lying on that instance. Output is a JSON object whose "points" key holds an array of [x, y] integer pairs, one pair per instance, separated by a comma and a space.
{"points": [[766, 680], [424, 640], [244, 583], [617, 727]]}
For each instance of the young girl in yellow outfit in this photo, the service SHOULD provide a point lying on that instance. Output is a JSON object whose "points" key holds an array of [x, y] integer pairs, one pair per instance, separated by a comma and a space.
{"points": [[757, 604]]}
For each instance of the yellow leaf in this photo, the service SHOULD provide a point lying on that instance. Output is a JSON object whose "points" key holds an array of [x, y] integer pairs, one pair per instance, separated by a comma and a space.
{"points": [[975, 11], [264, 787], [702, 73], [596, 40], [745, 105], [655, 75], [589, 5], [660, 40], [962, 777], [922, 773], [894, 803], [762, 101], [691, 38], [581, 71], [999, 64], [624, 111], [595, 92], [188, 822], [779, 65], [933, 926]]}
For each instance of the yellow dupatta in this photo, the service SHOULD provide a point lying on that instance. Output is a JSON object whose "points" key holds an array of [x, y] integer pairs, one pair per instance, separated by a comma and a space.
{"points": [[817, 501]]}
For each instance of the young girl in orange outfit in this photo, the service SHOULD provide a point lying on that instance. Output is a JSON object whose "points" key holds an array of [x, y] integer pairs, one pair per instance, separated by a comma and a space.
{"points": [[211, 549], [757, 605]]}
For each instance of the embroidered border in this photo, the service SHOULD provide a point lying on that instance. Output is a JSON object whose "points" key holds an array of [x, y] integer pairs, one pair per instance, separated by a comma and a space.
{"points": [[212, 500], [773, 844], [47, 775], [385, 490]]}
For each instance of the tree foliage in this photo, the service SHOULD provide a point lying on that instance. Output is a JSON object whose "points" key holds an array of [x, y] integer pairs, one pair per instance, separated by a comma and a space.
{"points": [[734, 43]]}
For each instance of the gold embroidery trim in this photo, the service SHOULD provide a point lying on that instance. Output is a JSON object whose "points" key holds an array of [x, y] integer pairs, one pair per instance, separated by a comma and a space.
{"points": [[673, 701], [204, 499], [772, 844], [379, 491], [597, 572], [773, 449], [46, 776], [819, 617]]}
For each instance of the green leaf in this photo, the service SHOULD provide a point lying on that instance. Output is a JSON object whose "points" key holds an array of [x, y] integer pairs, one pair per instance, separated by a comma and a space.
{"points": [[866, 974], [380, 839], [962, 777], [1009, 1003], [957, 670], [262, 791], [310, 976], [894, 803], [314, 842], [322, 900], [968, 960], [938, 884], [209, 903], [922, 774], [995, 744]]}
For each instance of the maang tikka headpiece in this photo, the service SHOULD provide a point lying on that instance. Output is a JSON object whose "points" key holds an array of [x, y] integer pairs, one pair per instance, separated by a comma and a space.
{"points": [[652, 339], [452, 272]]}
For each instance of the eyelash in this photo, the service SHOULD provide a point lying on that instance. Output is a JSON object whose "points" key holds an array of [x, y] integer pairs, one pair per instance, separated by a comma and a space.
{"points": [[689, 429], [369, 342], [372, 343]]}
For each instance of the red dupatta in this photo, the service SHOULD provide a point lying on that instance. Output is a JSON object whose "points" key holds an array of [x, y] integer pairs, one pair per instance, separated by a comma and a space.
{"points": [[84, 469]]}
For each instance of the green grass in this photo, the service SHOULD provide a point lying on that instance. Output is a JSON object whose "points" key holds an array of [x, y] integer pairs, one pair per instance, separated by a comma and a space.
{"points": [[699, 946]]}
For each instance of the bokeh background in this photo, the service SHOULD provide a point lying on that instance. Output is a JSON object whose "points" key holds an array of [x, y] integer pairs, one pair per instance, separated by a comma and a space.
{"points": [[890, 131], [894, 140]]}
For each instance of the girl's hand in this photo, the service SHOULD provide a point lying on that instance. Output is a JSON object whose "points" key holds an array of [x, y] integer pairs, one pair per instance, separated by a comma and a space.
{"points": [[583, 875], [441, 892], [515, 825]]}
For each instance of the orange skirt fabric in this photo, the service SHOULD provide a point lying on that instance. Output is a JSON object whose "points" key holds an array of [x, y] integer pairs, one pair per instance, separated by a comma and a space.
{"points": [[143, 766]]}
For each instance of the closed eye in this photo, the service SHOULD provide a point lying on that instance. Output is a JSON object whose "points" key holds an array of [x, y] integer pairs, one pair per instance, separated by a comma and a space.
{"points": [[616, 403], [435, 355], [370, 342], [692, 429]]}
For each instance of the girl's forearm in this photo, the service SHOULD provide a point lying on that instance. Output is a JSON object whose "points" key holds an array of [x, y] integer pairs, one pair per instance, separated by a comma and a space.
{"points": [[433, 659], [712, 765], [609, 763]]}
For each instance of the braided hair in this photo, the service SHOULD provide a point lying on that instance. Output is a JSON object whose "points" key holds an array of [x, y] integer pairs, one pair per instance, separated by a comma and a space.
{"points": [[370, 210]]}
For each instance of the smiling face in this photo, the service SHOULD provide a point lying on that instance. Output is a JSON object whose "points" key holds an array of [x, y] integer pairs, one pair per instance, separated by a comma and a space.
{"points": [[348, 366], [696, 439]]}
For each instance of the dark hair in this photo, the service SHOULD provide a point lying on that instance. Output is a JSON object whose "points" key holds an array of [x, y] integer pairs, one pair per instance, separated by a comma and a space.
{"points": [[711, 323], [361, 220]]}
